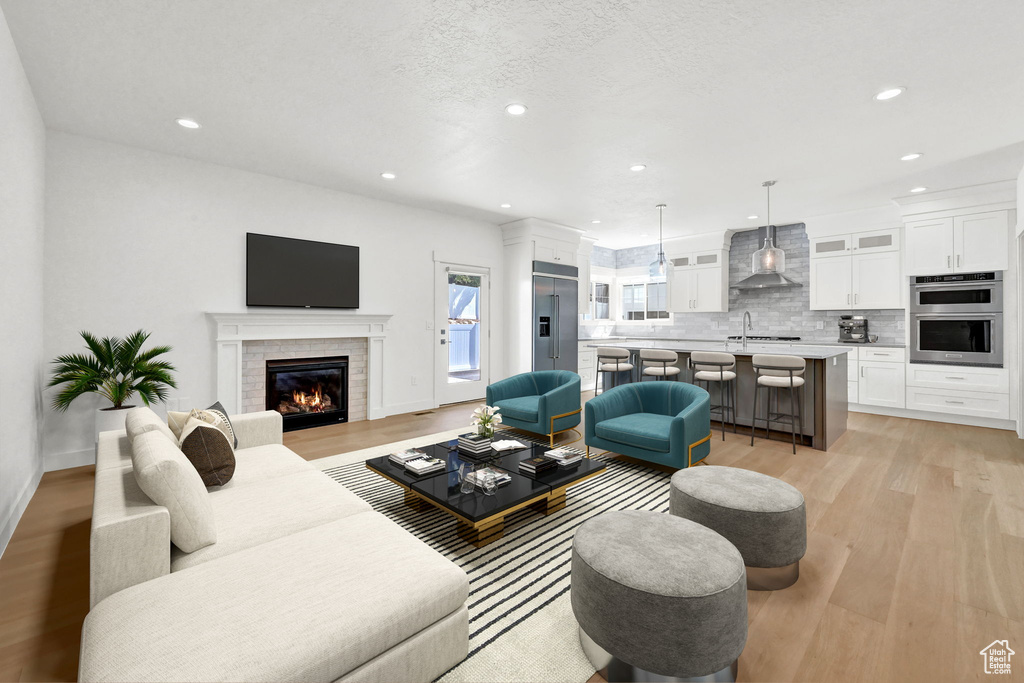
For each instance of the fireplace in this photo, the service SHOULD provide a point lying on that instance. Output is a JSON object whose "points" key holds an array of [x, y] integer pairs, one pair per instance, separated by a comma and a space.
{"points": [[308, 392]]}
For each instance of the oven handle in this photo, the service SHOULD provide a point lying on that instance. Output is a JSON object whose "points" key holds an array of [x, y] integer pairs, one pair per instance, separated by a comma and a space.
{"points": [[955, 316], [970, 284]]}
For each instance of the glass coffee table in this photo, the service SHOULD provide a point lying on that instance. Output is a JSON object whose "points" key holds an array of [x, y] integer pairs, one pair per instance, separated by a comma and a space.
{"points": [[481, 518]]}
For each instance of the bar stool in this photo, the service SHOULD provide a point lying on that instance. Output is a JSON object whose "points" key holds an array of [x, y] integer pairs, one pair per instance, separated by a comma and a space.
{"points": [[611, 359], [659, 364], [713, 366], [779, 372]]}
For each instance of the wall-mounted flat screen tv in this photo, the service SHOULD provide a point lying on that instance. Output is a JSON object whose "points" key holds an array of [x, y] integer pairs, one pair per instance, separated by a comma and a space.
{"points": [[293, 273]]}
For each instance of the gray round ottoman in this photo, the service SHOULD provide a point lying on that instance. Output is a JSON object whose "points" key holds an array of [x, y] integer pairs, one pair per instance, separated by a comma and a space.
{"points": [[658, 597], [763, 517]]}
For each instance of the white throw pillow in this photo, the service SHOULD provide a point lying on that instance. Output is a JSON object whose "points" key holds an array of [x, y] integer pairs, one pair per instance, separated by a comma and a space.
{"points": [[166, 476], [142, 420], [177, 422]]}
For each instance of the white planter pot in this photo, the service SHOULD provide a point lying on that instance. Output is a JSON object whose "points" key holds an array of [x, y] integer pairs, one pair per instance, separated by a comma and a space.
{"points": [[110, 420]]}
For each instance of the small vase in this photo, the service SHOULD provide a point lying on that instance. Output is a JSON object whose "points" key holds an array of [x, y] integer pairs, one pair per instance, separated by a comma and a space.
{"points": [[486, 431]]}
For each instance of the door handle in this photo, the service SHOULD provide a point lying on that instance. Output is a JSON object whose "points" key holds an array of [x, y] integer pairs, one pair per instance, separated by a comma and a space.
{"points": [[958, 260], [949, 261], [847, 299], [955, 378], [558, 327], [862, 371], [855, 298], [955, 403]]}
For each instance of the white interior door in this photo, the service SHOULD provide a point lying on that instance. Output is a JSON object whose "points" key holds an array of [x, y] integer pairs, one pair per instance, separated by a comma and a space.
{"points": [[461, 333]]}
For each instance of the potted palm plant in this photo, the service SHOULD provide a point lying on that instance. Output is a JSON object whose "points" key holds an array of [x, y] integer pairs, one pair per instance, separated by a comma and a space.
{"points": [[116, 369]]}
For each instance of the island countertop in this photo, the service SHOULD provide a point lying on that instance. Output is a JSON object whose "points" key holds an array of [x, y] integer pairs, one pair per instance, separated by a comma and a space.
{"points": [[735, 348]]}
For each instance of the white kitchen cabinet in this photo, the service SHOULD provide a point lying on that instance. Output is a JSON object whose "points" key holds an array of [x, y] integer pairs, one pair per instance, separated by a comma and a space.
{"points": [[852, 392], [958, 244], [555, 251], [979, 242], [972, 403], [958, 378], [698, 289], [877, 282], [583, 263], [882, 383], [587, 361], [858, 271], [929, 247], [831, 283]]}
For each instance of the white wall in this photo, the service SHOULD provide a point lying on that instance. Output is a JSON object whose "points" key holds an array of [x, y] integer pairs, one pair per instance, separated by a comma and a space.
{"points": [[137, 239], [22, 153]]}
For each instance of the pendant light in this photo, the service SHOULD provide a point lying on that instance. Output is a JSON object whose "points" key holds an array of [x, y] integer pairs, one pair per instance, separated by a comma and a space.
{"points": [[659, 267], [769, 262], [769, 259]]}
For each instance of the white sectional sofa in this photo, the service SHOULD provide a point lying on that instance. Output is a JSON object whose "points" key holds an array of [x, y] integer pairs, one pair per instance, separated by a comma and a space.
{"points": [[304, 582]]}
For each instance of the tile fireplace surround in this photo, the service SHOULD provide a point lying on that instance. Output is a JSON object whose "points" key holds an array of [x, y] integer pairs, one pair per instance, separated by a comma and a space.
{"points": [[245, 341]]}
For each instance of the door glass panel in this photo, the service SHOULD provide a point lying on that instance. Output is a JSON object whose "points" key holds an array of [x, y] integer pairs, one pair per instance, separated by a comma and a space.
{"points": [[707, 258], [684, 261], [829, 247], [875, 242], [463, 328], [955, 296], [958, 336]]}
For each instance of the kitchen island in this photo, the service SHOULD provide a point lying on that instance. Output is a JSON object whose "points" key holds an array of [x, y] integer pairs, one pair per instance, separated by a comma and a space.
{"points": [[824, 392]]}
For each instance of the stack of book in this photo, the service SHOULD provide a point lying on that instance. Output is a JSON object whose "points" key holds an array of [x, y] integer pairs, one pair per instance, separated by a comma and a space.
{"points": [[536, 466], [564, 457], [405, 456], [424, 465], [474, 444]]}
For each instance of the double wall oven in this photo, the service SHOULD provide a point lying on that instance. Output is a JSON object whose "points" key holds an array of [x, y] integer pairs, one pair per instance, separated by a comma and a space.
{"points": [[957, 319]]}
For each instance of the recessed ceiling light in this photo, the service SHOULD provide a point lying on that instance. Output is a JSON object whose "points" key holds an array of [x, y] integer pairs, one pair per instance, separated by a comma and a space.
{"points": [[889, 93], [515, 109], [918, 189], [595, 222], [637, 167], [751, 218], [187, 123], [506, 206], [387, 176], [911, 156]]}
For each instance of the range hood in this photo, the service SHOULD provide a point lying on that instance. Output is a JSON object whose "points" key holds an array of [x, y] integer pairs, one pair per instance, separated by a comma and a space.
{"points": [[765, 276]]}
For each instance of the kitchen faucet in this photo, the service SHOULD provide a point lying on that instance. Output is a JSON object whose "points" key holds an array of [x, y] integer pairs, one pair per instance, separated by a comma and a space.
{"points": [[746, 325]]}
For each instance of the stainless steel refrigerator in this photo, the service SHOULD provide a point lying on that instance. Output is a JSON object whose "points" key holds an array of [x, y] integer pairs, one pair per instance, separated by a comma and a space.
{"points": [[555, 319]]}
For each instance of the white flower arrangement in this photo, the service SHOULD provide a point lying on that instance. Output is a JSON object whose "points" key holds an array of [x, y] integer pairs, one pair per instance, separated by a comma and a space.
{"points": [[485, 418]]}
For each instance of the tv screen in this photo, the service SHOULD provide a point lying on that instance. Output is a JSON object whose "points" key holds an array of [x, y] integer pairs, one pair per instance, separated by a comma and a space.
{"points": [[293, 273]]}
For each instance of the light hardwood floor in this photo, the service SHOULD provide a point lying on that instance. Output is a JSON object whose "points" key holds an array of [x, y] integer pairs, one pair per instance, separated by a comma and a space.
{"points": [[915, 556]]}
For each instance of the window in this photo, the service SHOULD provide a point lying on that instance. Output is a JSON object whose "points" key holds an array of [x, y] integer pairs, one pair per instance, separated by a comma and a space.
{"points": [[656, 301], [600, 301], [644, 301], [633, 302]]}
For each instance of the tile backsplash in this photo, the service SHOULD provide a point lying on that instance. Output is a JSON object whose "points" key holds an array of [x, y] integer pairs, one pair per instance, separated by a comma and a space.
{"points": [[775, 312]]}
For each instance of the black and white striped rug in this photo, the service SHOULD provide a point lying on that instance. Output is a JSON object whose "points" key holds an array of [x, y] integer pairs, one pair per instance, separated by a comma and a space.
{"points": [[520, 624]]}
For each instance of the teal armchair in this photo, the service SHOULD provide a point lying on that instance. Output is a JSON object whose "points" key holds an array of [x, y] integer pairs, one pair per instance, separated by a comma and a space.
{"points": [[545, 402], [668, 423]]}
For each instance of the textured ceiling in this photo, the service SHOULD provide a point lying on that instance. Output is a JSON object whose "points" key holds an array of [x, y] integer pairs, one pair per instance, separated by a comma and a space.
{"points": [[713, 96]]}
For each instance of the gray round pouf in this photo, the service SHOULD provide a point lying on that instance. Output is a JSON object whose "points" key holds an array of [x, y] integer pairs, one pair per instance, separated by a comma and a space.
{"points": [[763, 517], [660, 594]]}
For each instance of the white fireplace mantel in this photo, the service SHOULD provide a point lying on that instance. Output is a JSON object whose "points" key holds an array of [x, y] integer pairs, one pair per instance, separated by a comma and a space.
{"points": [[231, 329]]}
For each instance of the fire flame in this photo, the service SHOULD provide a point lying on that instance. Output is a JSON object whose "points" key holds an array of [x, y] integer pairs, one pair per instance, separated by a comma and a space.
{"points": [[313, 403]]}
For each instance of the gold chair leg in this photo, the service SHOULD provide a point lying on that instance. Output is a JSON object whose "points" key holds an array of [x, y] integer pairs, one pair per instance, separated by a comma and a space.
{"points": [[689, 452]]}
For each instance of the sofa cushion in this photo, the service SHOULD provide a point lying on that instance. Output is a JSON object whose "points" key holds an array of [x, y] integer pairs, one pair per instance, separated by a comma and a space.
{"points": [[207, 447], [259, 463], [142, 420], [165, 475], [252, 515], [523, 408], [113, 450], [218, 410], [309, 607], [646, 430]]}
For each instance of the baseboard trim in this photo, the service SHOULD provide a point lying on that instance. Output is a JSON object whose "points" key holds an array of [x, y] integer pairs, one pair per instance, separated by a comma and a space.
{"points": [[935, 417], [24, 498], [62, 461], [412, 407]]}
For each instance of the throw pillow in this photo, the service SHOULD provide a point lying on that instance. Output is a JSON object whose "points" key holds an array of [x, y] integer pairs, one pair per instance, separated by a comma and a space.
{"points": [[141, 420], [177, 421], [209, 451], [218, 408], [165, 475]]}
